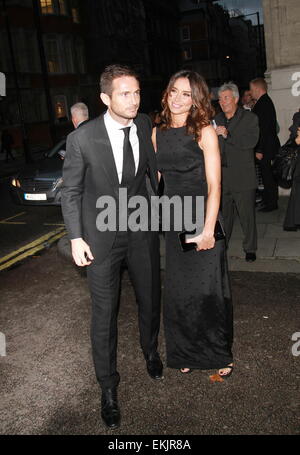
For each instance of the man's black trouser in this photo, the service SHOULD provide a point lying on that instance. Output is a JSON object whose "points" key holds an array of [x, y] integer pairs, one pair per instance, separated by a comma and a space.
{"points": [[270, 193], [141, 251], [244, 201]]}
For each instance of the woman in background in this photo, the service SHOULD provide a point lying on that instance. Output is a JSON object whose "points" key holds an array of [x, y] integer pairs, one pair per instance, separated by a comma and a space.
{"points": [[292, 217]]}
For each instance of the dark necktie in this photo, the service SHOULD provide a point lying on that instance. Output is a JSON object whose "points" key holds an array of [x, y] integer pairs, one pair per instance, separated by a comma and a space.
{"points": [[128, 172]]}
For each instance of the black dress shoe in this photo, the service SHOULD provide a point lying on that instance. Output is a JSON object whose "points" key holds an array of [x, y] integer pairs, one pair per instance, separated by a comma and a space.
{"points": [[110, 411], [154, 366], [250, 257]]}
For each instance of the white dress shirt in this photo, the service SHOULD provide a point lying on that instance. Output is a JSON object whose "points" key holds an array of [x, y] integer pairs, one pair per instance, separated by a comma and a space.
{"points": [[116, 137]]}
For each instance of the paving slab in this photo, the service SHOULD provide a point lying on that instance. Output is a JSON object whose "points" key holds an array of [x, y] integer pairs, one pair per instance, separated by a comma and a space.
{"points": [[288, 248], [276, 231], [237, 232], [266, 248], [270, 265]]}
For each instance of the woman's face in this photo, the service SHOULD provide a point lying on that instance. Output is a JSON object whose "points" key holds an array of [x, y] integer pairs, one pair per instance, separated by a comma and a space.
{"points": [[180, 97]]}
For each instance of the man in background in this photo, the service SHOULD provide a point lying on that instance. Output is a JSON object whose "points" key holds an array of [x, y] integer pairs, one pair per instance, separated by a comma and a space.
{"points": [[7, 142], [238, 134], [247, 100], [79, 117], [268, 143], [80, 114]]}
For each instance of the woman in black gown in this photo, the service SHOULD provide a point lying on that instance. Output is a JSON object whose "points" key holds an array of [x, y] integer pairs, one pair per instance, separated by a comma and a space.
{"points": [[292, 216], [197, 299]]}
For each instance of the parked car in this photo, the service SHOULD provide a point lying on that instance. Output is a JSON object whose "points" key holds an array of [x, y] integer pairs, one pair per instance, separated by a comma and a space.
{"points": [[40, 183]]}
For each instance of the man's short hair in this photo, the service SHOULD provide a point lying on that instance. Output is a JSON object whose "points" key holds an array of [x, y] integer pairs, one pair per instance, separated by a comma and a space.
{"points": [[229, 86], [81, 109], [111, 73], [260, 82]]}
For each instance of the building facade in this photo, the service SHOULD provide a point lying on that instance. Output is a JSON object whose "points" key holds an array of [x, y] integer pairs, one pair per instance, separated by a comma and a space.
{"points": [[206, 42], [220, 45], [143, 34], [43, 57], [58, 48], [282, 33]]}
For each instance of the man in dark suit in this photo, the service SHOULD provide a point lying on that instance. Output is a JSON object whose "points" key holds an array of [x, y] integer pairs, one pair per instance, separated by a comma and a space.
{"points": [[110, 153], [238, 134], [79, 117], [268, 144]]}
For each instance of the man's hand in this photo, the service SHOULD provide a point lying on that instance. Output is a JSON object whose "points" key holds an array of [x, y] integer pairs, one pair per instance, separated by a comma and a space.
{"points": [[259, 156], [222, 131], [81, 252]]}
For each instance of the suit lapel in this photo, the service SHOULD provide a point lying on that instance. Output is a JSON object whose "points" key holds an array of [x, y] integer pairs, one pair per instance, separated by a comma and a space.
{"points": [[142, 148], [102, 141], [147, 153], [235, 120]]}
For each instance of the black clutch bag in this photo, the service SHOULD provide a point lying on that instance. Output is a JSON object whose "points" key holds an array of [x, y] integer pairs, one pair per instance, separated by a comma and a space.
{"points": [[219, 235]]}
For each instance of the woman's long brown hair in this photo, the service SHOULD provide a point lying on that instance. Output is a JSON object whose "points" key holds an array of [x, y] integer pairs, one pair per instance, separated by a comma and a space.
{"points": [[200, 113]]}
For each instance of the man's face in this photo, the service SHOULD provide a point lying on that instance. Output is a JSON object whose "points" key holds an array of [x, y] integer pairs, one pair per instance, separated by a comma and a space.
{"points": [[254, 92], [247, 98], [228, 102], [124, 102]]}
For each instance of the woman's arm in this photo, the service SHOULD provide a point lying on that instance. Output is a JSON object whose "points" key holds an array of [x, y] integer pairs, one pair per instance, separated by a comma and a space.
{"points": [[210, 146]]}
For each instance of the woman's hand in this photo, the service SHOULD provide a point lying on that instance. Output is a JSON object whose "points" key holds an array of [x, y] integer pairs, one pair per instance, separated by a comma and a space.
{"points": [[204, 241]]}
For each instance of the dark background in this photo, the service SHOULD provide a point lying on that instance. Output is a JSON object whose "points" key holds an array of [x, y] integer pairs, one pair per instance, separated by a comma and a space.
{"points": [[53, 51]]}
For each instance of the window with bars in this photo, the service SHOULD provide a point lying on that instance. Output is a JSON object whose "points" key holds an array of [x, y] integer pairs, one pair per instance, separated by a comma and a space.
{"points": [[81, 58], [62, 7], [185, 33], [75, 11], [68, 56], [61, 108], [47, 6], [187, 54], [53, 56]]}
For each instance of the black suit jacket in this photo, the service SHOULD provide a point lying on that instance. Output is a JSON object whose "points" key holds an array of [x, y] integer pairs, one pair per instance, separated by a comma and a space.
{"points": [[237, 150], [90, 172], [268, 143]]}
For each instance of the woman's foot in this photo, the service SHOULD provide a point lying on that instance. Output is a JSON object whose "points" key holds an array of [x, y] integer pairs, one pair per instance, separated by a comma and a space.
{"points": [[226, 371], [185, 370]]}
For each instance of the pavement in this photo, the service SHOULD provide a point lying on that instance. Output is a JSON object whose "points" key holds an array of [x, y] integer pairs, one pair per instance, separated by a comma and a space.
{"points": [[48, 386]]}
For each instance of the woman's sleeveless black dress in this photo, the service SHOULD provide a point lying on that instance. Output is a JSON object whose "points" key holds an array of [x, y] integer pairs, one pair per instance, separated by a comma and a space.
{"points": [[197, 300]]}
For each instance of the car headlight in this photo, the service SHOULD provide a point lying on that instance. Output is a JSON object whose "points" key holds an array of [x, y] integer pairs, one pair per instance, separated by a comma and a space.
{"points": [[57, 183], [16, 183]]}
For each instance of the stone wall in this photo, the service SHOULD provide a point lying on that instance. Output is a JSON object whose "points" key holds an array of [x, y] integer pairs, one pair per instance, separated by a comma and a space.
{"points": [[282, 34]]}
